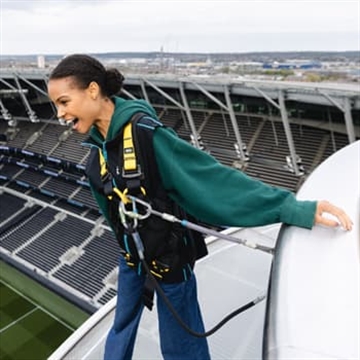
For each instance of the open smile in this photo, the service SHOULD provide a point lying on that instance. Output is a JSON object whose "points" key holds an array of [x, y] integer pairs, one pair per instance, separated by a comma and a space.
{"points": [[71, 122]]}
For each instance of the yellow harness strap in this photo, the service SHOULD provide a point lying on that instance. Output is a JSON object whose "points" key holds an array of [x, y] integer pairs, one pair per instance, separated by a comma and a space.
{"points": [[130, 162], [103, 172], [129, 154], [103, 169]]}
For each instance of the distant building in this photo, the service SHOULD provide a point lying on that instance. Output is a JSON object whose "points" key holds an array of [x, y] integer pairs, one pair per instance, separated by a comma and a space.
{"points": [[292, 65], [41, 61]]}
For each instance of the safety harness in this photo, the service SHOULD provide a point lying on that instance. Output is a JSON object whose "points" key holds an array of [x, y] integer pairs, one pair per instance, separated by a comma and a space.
{"points": [[135, 208], [169, 250]]}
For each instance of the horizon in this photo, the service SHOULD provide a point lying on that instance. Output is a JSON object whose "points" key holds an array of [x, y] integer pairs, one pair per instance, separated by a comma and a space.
{"points": [[190, 52]]}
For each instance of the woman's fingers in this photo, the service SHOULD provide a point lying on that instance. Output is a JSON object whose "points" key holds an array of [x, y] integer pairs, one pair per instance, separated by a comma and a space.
{"points": [[326, 207]]}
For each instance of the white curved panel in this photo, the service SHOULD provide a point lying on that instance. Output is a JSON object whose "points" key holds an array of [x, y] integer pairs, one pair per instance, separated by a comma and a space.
{"points": [[313, 306]]}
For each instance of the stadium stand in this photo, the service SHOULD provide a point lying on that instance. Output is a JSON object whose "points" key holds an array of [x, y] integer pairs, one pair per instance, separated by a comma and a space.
{"points": [[87, 274], [14, 205], [49, 221]]}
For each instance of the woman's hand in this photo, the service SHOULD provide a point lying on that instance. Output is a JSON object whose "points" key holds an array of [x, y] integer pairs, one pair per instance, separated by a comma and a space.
{"points": [[326, 207]]}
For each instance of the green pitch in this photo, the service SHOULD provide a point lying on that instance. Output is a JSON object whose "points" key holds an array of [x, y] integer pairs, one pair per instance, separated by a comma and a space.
{"points": [[33, 321], [26, 330]]}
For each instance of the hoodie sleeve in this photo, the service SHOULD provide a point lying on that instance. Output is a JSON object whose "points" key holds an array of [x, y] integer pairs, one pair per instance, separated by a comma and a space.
{"points": [[221, 195]]}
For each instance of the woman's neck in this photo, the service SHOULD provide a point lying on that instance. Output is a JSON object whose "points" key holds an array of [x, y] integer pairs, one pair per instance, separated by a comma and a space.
{"points": [[104, 121]]}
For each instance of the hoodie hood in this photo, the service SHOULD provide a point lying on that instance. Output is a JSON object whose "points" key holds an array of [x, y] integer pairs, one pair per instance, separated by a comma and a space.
{"points": [[124, 110]]}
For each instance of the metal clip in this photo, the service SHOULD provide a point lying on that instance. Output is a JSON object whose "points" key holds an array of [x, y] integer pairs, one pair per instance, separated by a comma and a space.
{"points": [[133, 214], [146, 206], [124, 214]]}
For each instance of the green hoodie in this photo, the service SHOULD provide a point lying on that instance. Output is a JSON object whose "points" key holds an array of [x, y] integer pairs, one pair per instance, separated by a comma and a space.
{"points": [[124, 110], [212, 192]]}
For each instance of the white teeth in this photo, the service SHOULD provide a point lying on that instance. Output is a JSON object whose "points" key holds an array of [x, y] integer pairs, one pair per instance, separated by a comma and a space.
{"points": [[62, 121], [65, 122]]}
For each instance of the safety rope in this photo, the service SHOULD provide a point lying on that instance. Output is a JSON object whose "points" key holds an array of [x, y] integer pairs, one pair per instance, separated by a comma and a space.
{"points": [[135, 216], [132, 170], [188, 224], [180, 320]]}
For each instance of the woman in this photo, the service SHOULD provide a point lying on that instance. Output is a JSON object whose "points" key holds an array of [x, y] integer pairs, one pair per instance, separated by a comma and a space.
{"points": [[182, 177]]}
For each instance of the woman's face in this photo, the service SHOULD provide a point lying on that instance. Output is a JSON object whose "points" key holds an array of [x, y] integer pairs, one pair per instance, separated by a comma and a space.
{"points": [[79, 107]]}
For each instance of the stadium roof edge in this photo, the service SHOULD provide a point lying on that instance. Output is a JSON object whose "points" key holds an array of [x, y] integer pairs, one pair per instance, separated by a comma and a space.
{"points": [[308, 92]]}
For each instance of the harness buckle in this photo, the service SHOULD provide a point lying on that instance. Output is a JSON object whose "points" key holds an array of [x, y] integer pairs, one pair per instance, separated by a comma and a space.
{"points": [[130, 174]]}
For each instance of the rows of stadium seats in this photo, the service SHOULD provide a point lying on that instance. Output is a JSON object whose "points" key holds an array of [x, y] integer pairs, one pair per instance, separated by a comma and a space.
{"points": [[270, 152], [29, 169], [49, 139], [87, 273], [265, 141], [108, 295], [54, 242], [43, 236], [13, 205], [29, 225], [219, 127], [45, 161], [33, 171]]}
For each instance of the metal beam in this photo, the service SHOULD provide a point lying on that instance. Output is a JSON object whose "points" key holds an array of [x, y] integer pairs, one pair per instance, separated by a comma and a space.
{"points": [[269, 99], [189, 116], [5, 112], [210, 96], [41, 91], [143, 89], [184, 107], [127, 93], [348, 120], [285, 121], [332, 101], [229, 108], [9, 85], [163, 93], [31, 113], [346, 109], [234, 123]]}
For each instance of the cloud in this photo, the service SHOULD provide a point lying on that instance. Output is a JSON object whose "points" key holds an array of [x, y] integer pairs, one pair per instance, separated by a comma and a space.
{"points": [[62, 26]]}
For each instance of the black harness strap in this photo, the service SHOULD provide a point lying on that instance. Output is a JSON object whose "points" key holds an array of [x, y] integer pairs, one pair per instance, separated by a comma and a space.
{"points": [[130, 169], [148, 292]]}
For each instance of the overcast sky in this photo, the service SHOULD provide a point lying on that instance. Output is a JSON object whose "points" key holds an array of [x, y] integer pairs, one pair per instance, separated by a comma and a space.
{"points": [[98, 26]]}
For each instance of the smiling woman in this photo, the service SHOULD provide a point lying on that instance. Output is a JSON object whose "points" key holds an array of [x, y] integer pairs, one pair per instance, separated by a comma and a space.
{"points": [[177, 178], [84, 100]]}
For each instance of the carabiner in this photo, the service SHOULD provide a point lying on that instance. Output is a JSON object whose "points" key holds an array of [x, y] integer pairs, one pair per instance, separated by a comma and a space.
{"points": [[134, 214], [123, 213], [145, 205]]}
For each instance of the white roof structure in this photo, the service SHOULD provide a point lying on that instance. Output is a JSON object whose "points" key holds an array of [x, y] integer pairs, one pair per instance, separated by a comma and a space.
{"points": [[313, 310]]}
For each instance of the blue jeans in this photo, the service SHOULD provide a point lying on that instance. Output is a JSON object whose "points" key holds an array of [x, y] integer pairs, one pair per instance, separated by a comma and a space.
{"points": [[175, 342]]}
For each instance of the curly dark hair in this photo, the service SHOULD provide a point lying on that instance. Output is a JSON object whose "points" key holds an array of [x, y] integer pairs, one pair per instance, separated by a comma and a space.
{"points": [[85, 69]]}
